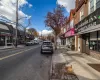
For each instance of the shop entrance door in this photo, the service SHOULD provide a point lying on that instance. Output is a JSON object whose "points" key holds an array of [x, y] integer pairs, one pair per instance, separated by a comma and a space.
{"points": [[85, 43], [2, 40]]}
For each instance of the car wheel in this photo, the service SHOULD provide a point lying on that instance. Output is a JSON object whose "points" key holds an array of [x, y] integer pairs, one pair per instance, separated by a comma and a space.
{"points": [[41, 52], [52, 52]]}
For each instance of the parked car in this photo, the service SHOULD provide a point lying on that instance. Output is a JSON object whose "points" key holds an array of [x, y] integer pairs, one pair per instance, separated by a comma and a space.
{"points": [[46, 47], [30, 43], [36, 42]]}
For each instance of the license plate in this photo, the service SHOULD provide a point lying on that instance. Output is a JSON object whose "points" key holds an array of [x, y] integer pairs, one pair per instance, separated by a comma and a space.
{"points": [[46, 47]]}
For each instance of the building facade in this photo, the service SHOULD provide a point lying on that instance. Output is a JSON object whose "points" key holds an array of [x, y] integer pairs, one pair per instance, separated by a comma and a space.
{"points": [[6, 34], [62, 37], [70, 31], [88, 30], [81, 12]]}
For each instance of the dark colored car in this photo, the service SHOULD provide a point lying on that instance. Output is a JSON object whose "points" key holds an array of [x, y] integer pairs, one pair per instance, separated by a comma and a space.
{"points": [[47, 47]]}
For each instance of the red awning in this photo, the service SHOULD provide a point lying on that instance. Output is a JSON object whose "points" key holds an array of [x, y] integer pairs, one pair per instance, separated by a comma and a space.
{"points": [[71, 32]]}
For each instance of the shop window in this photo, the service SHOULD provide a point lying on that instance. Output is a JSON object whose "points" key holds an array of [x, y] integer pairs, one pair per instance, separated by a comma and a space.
{"points": [[93, 45], [97, 3], [9, 39], [93, 41], [91, 6], [81, 14], [2, 40], [99, 45], [99, 41]]}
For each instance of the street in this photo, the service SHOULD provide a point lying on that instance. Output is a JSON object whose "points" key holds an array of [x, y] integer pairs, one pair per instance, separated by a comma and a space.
{"points": [[68, 29], [24, 64]]}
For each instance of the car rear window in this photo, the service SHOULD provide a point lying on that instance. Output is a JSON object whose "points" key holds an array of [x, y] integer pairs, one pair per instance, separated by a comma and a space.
{"points": [[46, 43]]}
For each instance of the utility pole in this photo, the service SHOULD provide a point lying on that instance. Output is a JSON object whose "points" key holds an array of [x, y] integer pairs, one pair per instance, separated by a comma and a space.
{"points": [[16, 36]]}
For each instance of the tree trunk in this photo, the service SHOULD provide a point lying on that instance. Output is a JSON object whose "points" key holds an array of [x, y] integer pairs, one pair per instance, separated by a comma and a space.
{"points": [[55, 42]]}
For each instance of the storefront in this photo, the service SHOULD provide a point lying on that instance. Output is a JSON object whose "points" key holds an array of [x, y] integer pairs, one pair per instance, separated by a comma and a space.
{"points": [[88, 32], [70, 38], [6, 37], [63, 39]]}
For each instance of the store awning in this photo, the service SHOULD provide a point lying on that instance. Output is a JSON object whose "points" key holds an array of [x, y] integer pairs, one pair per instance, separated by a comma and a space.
{"points": [[91, 29], [70, 33]]}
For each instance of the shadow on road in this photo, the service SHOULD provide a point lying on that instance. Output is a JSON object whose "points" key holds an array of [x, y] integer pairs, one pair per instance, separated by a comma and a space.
{"points": [[46, 54]]}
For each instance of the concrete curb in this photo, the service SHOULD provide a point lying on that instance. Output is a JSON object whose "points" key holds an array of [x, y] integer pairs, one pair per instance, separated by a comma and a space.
{"points": [[11, 48], [51, 67], [7, 48], [51, 71]]}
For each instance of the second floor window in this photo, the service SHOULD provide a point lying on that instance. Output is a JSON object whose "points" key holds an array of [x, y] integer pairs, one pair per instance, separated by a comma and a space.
{"points": [[91, 6], [81, 14], [97, 3]]}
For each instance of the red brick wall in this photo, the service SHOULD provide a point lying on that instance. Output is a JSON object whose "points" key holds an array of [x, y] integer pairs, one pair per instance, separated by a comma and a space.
{"points": [[77, 14]]}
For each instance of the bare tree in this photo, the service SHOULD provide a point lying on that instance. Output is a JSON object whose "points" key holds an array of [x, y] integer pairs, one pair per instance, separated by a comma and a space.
{"points": [[55, 20]]}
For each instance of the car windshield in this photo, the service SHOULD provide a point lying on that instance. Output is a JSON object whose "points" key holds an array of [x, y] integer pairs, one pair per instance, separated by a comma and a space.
{"points": [[47, 43]]}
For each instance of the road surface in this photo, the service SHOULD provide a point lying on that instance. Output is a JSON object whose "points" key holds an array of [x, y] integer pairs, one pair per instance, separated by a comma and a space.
{"points": [[24, 64]]}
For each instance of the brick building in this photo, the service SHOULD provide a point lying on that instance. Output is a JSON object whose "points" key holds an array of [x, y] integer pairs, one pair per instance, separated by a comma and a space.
{"points": [[81, 7], [87, 27], [70, 31]]}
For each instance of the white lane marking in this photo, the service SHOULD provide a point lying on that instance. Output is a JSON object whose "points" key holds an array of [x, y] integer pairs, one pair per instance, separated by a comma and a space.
{"points": [[16, 54]]}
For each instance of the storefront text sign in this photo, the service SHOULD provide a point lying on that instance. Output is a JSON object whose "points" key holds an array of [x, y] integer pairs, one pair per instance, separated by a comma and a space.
{"points": [[88, 22]]}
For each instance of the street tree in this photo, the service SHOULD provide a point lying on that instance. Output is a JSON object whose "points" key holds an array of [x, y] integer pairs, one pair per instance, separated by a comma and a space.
{"points": [[55, 20], [36, 34], [31, 31]]}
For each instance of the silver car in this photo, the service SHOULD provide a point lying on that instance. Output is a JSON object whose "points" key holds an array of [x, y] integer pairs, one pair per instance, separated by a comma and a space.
{"points": [[47, 47]]}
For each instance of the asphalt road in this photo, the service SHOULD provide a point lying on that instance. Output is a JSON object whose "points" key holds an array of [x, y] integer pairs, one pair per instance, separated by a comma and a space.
{"points": [[24, 64]]}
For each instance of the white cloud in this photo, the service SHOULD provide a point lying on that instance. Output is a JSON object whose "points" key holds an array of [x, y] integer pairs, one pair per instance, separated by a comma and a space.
{"points": [[30, 5], [45, 32], [8, 9], [68, 4]]}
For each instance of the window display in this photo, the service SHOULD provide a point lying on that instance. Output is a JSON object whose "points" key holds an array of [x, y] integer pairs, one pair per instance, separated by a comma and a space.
{"points": [[93, 45], [93, 41], [99, 41]]}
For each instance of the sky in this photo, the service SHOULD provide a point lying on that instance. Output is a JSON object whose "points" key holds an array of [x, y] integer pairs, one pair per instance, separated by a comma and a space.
{"points": [[36, 10]]}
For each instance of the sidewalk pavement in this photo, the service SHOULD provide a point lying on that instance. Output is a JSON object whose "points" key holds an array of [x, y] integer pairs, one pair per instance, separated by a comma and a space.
{"points": [[10, 47], [84, 66]]}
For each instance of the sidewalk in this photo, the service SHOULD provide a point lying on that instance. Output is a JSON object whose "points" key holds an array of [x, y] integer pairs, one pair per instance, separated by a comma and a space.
{"points": [[10, 47], [85, 67]]}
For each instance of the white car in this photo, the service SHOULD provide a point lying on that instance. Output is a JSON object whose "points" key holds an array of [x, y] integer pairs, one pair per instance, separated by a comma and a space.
{"points": [[36, 42], [29, 43]]}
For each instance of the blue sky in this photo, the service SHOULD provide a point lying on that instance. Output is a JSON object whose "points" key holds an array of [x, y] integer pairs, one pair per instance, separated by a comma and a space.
{"points": [[38, 12]]}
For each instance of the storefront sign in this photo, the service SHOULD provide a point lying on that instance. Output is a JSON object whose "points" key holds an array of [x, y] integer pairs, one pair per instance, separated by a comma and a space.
{"points": [[5, 34], [88, 22], [87, 26]]}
